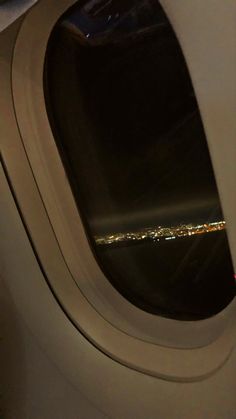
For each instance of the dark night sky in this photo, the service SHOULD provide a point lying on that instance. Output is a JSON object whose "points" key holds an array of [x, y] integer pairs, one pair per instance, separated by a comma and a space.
{"points": [[147, 157], [127, 124]]}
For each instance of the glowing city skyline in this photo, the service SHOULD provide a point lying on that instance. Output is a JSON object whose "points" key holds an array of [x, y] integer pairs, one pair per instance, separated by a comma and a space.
{"points": [[160, 233]]}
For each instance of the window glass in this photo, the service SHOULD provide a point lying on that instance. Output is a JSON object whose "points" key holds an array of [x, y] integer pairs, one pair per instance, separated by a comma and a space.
{"points": [[127, 125]]}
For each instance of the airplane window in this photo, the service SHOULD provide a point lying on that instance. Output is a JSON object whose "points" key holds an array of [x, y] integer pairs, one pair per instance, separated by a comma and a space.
{"points": [[127, 125]]}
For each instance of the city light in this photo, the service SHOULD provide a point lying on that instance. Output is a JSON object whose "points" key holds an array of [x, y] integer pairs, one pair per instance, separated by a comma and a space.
{"points": [[161, 233]]}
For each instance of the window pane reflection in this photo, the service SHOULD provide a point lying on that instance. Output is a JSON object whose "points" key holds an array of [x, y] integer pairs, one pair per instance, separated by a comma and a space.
{"points": [[127, 125]]}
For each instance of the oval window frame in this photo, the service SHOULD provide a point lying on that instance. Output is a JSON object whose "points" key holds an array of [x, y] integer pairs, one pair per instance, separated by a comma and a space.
{"points": [[146, 334]]}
